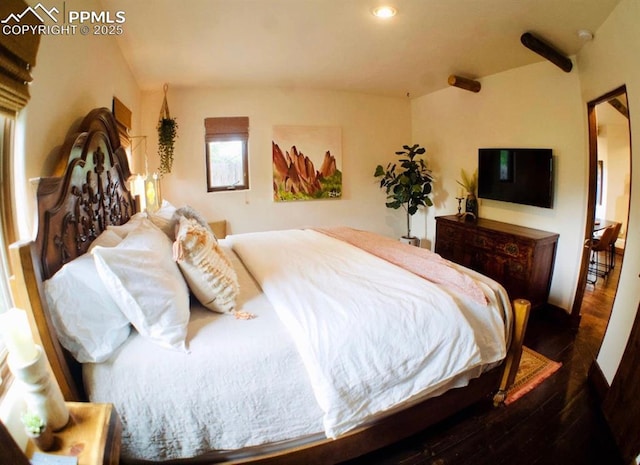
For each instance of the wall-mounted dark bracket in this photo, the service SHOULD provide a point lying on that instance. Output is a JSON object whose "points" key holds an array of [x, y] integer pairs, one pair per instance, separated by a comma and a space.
{"points": [[546, 51], [464, 83]]}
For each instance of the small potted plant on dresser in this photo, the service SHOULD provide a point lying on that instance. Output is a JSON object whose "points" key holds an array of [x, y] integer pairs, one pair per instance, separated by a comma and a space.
{"points": [[407, 184], [37, 430], [470, 185]]}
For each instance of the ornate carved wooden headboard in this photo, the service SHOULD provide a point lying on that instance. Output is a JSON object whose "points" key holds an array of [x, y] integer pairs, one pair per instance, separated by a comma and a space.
{"points": [[92, 193], [73, 209]]}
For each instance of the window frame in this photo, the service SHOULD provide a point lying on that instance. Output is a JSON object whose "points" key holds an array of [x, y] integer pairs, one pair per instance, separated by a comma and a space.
{"points": [[16, 66], [6, 235], [242, 137]]}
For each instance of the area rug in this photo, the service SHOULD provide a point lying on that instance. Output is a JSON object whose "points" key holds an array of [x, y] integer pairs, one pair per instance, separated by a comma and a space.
{"points": [[534, 368]]}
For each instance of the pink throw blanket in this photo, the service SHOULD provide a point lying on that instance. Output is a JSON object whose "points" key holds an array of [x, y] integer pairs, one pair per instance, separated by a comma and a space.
{"points": [[419, 261]]}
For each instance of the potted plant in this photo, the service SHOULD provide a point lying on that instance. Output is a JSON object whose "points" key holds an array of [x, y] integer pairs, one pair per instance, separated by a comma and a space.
{"points": [[37, 430], [470, 185], [167, 133], [407, 184]]}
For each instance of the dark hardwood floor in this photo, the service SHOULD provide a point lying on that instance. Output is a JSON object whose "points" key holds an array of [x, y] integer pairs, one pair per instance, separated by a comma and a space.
{"points": [[559, 422]]}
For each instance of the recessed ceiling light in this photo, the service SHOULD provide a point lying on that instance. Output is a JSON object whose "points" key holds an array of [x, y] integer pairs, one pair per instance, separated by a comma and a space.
{"points": [[384, 12]]}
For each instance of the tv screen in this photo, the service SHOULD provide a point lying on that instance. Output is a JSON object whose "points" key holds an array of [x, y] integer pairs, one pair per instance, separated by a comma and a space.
{"points": [[523, 176]]}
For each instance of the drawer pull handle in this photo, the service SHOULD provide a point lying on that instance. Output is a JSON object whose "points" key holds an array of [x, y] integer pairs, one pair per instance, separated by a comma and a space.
{"points": [[511, 248]]}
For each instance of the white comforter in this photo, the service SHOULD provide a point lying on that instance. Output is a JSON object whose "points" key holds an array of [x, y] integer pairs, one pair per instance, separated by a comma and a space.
{"points": [[244, 382], [370, 334]]}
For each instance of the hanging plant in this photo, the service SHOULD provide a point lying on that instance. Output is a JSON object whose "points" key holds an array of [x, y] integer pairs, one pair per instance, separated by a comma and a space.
{"points": [[167, 134]]}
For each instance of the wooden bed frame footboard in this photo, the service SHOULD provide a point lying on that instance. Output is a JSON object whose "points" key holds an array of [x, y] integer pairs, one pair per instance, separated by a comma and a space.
{"points": [[75, 207], [521, 311]]}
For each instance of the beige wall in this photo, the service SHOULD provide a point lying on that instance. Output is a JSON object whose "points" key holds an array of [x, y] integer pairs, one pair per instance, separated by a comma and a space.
{"points": [[73, 75], [533, 106], [606, 63], [373, 128], [613, 151]]}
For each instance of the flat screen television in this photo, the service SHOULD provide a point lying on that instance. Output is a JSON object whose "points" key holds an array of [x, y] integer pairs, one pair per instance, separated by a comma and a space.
{"points": [[523, 176]]}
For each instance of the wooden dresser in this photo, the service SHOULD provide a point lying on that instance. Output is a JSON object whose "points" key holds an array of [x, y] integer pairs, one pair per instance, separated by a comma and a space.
{"points": [[519, 258]]}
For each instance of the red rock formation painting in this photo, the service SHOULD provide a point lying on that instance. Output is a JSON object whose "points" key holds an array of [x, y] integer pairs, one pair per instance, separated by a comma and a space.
{"points": [[294, 173], [328, 167]]}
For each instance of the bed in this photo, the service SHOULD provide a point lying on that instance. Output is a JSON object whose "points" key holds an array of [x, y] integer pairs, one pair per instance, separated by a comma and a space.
{"points": [[324, 344]]}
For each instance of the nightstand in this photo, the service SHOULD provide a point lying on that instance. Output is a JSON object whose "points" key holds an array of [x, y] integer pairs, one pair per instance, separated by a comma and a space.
{"points": [[92, 434], [219, 228]]}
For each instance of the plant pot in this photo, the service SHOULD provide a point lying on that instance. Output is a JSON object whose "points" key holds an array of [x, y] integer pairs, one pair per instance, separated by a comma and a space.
{"points": [[410, 240], [43, 441], [471, 207]]}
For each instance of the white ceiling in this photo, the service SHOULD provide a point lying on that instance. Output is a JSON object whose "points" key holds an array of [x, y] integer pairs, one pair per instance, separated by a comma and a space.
{"points": [[339, 44]]}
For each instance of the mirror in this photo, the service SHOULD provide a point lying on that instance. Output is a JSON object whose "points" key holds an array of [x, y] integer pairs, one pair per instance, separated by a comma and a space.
{"points": [[608, 201]]}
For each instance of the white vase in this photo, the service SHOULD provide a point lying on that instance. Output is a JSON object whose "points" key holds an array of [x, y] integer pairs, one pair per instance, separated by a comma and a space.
{"points": [[41, 394]]}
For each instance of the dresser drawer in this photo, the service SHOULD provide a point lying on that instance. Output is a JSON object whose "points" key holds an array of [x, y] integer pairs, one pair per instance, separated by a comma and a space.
{"points": [[451, 232], [518, 269], [519, 258], [520, 251], [483, 240]]}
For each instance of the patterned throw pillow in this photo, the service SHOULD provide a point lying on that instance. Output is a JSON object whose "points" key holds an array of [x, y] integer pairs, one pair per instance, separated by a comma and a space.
{"points": [[207, 270]]}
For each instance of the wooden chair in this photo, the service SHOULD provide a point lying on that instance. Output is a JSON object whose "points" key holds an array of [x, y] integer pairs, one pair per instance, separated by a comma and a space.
{"points": [[612, 246], [601, 244]]}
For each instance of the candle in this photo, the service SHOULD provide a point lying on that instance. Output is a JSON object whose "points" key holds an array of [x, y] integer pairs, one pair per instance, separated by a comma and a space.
{"points": [[151, 193], [137, 190], [14, 328], [460, 193]]}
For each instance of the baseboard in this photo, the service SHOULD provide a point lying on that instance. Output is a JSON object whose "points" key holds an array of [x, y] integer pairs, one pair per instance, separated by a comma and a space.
{"points": [[598, 381]]}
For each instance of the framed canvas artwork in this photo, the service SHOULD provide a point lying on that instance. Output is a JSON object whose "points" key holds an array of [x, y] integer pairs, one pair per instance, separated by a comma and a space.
{"points": [[307, 162]]}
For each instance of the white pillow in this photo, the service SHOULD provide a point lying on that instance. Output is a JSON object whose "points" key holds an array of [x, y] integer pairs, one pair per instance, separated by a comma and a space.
{"points": [[166, 210], [207, 270], [124, 229], [89, 323], [163, 219], [147, 285], [108, 238]]}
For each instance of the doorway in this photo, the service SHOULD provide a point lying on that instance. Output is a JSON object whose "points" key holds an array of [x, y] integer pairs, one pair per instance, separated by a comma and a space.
{"points": [[608, 192]]}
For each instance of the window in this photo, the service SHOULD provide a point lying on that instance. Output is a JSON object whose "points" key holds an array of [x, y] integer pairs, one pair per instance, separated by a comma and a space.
{"points": [[226, 141], [18, 55]]}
